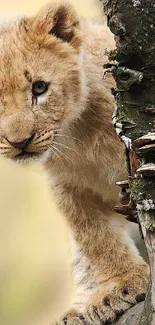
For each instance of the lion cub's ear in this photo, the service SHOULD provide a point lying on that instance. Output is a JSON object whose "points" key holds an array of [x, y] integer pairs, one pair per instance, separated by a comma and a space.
{"points": [[60, 20]]}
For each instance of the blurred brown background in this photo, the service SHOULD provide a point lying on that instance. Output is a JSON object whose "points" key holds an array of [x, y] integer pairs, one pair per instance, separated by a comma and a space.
{"points": [[34, 252]]}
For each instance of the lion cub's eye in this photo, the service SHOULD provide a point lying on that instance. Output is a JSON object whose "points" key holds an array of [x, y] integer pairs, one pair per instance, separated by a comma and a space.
{"points": [[39, 88]]}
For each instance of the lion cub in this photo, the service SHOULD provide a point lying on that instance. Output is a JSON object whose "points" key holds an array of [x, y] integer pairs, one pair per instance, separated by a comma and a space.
{"points": [[55, 104]]}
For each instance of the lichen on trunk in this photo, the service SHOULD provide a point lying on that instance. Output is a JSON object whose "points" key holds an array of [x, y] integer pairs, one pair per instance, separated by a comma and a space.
{"points": [[133, 24]]}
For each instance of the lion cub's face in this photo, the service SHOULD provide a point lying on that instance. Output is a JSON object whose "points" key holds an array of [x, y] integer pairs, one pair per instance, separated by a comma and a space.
{"points": [[40, 82]]}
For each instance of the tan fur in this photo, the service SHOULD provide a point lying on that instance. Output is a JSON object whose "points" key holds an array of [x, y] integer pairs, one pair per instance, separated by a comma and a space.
{"points": [[71, 124]]}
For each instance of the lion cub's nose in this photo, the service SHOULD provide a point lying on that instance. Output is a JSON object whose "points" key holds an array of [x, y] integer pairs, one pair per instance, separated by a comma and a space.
{"points": [[22, 144]]}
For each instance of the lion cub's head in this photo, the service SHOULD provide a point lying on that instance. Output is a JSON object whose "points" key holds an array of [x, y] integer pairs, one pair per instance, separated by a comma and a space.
{"points": [[40, 79]]}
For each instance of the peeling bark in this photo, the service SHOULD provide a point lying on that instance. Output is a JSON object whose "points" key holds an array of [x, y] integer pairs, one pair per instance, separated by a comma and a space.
{"points": [[133, 24]]}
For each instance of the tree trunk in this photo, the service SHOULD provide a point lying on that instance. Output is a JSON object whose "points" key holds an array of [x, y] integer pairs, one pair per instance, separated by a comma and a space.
{"points": [[133, 24]]}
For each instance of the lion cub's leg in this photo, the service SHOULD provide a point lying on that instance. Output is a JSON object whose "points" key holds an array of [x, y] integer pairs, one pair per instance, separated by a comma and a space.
{"points": [[109, 272]]}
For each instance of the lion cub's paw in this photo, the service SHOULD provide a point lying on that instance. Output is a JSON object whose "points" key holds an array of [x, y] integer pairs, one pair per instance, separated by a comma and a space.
{"points": [[105, 307], [73, 318]]}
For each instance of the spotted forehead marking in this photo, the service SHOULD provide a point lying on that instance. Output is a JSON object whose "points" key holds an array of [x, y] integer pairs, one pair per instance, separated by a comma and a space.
{"points": [[28, 76]]}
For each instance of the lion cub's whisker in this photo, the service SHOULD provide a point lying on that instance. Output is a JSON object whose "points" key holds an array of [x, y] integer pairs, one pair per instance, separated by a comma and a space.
{"points": [[66, 147]]}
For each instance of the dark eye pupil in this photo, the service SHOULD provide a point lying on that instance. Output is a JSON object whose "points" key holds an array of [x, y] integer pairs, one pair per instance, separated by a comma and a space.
{"points": [[40, 85], [39, 88]]}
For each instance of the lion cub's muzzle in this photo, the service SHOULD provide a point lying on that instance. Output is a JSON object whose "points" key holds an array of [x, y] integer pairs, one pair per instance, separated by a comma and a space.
{"points": [[22, 136], [21, 144], [33, 146]]}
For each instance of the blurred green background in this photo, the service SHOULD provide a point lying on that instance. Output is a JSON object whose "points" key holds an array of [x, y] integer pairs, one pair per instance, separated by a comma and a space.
{"points": [[34, 250]]}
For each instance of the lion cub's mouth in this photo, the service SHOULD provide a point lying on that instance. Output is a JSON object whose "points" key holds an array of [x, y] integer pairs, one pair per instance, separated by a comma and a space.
{"points": [[26, 157]]}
